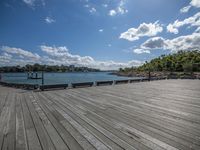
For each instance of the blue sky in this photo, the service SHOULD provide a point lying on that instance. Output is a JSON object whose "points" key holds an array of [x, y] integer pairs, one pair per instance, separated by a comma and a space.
{"points": [[105, 34]]}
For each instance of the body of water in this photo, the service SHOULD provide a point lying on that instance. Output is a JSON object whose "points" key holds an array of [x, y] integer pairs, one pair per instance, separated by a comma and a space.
{"points": [[62, 78]]}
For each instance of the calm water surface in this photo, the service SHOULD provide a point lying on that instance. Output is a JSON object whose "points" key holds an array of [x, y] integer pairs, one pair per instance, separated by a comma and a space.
{"points": [[60, 78]]}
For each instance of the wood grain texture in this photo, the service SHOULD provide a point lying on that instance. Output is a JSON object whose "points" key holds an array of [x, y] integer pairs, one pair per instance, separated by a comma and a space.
{"points": [[157, 115]]}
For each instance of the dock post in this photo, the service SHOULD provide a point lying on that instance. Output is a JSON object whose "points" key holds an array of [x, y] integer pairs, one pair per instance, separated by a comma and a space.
{"points": [[42, 77], [129, 81], [149, 75]]}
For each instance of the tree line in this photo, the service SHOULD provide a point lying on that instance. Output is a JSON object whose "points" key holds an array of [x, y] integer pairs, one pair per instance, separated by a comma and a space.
{"points": [[182, 61], [47, 68]]}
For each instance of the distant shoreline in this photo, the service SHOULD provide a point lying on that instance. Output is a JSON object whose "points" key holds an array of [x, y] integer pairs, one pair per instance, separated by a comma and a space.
{"points": [[58, 72], [169, 75]]}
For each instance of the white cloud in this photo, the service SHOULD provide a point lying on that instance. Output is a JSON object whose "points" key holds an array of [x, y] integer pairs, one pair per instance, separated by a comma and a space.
{"points": [[185, 9], [197, 30], [61, 55], [141, 51], [49, 20], [112, 12], [100, 30], [29, 2], [192, 21], [105, 5], [172, 29], [32, 3], [5, 58], [193, 3], [108, 65], [120, 9], [20, 52], [57, 56], [151, 29], [187, 42], [92, 10], [154, 43]]}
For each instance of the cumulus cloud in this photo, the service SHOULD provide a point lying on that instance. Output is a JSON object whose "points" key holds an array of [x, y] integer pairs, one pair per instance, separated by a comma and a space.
{"points": [[191, 21], [197, 30], [185, 9], [107, 65], [187, 42], [57, 56], [112, 12], [5, 58], [49, 20], [193, 3], [31, 3], [154, 43], [141, 51], [20, 52], [100, 30], [120, 9], [144, 29], [62, 54], [92, 10]]}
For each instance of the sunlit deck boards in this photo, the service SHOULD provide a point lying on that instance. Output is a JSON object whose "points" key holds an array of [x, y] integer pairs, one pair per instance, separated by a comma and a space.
{"points": [[148, 115]]}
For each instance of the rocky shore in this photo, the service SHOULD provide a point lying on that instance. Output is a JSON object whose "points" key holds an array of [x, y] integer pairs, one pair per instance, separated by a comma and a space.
{"points": [[169, 75]]}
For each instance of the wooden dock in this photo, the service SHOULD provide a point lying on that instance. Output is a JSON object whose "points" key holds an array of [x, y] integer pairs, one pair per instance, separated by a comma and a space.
{"points": [[156, 115]]}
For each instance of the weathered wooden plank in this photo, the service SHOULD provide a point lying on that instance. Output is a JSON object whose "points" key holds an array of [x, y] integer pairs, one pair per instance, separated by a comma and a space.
{"points": [[9, 128], [147, 115], [88, 141], [108, 114], [4, 117], [31, 133], [21, 139], [3, 97], [53, 134], [43, 136], [116, 103], [135, 102], [185, 134], [100, 132], [131, 140], [55, 119]]}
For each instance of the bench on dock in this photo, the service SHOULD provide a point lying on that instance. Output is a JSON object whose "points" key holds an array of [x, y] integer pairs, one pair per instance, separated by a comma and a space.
{"points": [[20, 85], [53, 86], [27, 86], [99, 83], [145, 79], [83, 84], [121, 81], [35, 78], [135, 80]]}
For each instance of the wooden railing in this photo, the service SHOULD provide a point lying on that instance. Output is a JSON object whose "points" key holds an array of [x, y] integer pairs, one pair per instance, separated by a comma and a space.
{"points": [[75, 85]]}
